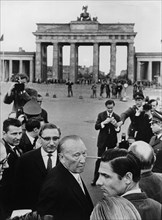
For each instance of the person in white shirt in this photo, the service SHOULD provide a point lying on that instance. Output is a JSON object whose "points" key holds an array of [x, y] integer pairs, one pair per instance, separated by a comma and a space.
{"points": [[33, 167]]}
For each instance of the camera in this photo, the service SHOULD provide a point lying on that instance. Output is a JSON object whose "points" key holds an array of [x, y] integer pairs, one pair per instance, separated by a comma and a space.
{"points": [[19, 87]]}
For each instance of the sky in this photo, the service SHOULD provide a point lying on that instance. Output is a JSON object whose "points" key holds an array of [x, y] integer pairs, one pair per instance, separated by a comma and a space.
{"points": [[18, 21]]}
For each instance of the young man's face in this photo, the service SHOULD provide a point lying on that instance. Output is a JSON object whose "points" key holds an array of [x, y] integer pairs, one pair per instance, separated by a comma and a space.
{"points": [[13, 135], [154, 105], [109, 181], [139, 102], [156, 127], [110, 108]]}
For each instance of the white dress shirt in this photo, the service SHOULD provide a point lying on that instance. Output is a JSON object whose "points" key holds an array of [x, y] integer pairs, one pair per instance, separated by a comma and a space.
{"points": [[45, 157]]}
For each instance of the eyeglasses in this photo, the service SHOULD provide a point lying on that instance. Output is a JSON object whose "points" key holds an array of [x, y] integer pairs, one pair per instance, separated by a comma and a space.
{"points": [[2, 162], [48, 139]]}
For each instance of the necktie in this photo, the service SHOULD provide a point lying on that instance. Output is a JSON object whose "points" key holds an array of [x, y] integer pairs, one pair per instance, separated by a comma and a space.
{"points": [[16, 151], [34, 142], [80, 183], [49, 162]]}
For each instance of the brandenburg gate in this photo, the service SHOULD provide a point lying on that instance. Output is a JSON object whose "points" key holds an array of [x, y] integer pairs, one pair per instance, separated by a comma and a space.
{"points": [[84, 31]]}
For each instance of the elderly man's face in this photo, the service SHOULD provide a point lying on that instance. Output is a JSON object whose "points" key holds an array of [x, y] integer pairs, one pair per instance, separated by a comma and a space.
{"points": [[13, 135], [50, 139], [109, 181], [73, 156]]}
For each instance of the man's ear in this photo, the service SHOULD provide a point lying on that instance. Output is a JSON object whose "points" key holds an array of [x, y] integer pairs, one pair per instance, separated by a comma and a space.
{"points": [[128, 178]]}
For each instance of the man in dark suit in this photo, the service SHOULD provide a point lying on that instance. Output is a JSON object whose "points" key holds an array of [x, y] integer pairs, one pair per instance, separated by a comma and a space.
{"points": [[150, 182], [107, 123], [44, 113], [12, 133], [33, 167], [120, 172], [64, 194], [156, 141], [30, 135], [132, 112]]}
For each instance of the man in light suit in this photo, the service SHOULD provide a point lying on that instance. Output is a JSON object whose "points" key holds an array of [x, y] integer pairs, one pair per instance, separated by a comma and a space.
{"points": [[156, 141], [107, 124], [64, 194], [33, 167]]}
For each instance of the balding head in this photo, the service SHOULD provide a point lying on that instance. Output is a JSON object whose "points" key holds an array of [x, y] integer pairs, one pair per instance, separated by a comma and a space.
{"points": [[144, 152]]}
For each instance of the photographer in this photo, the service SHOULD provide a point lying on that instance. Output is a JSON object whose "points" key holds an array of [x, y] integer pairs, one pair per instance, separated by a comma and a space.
{"points": [[19, 94]]}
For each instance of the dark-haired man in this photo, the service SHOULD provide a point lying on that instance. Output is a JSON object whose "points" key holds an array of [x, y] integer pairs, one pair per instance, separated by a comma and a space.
{"points": [[33, 166], [30, 135], [107, 124], [119, 176], [12, 133]]}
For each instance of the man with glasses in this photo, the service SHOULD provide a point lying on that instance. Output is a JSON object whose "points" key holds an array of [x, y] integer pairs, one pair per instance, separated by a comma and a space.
{"points": [[156, 141], [33, 167], [64, 195]]}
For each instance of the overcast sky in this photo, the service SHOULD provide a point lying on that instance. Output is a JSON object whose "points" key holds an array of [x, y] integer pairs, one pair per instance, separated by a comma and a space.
{"points": [[19, 18]]}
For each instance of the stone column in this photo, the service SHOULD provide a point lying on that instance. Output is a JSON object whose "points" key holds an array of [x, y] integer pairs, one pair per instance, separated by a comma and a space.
{"points": [[138, 70], [72, 63], [130, 61], [76, 61], [55, 67], [20, 66], [10, 69], [113, 60], [31, 72], [38, 62], [95, 62], [60, 73], [149, 73]]}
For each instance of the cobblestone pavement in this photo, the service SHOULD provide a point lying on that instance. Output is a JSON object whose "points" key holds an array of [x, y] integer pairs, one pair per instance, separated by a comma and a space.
{"points": [[77, 115]]}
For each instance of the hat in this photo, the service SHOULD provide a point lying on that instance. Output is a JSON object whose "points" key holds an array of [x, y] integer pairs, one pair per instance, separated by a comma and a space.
{"points": [[156, 117], [32, 108], [138, 95]]}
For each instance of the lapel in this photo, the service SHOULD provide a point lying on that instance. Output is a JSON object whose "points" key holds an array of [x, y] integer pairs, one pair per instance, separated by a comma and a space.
{"points": [[156, 141], [75, 187], [38, 160]]}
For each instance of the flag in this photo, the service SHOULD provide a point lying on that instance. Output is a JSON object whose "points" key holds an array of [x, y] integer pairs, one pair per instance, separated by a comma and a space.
{"points": [[1, 39]]}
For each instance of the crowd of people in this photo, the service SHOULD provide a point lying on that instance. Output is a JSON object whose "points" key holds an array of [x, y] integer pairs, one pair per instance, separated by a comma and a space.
{"points": [[40, 170]]}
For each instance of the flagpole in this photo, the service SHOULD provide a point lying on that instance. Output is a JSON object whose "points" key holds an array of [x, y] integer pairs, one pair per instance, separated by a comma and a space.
{"points": [[2, 76]]}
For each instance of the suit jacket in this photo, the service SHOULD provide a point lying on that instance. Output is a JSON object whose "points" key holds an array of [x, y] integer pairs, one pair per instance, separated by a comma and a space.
{"points": [[25, 144], [108, 135], [62, 197], [149, 209], [8, 175], [157, 146], [44, 115], [29, 176], [151, 184]]}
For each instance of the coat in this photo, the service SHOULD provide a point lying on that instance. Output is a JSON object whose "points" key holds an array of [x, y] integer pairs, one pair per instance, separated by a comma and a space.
{"points": [[29, 175], [157, 146], [108, 135], [25, 144], [149, 209], [151, 184], [62, 197]]}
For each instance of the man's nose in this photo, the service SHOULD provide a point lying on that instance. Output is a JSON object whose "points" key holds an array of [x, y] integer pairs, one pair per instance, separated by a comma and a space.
{"points": [[6, 165], [82, 159], [99, 181]]}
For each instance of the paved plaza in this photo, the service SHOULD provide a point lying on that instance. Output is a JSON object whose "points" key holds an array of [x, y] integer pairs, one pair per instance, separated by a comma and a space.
{"points": [[77, 115]]}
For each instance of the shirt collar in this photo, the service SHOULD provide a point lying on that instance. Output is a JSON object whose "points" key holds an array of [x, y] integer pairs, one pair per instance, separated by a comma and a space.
{"points": [[30, 137], [132, 191], [44, 153]]}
